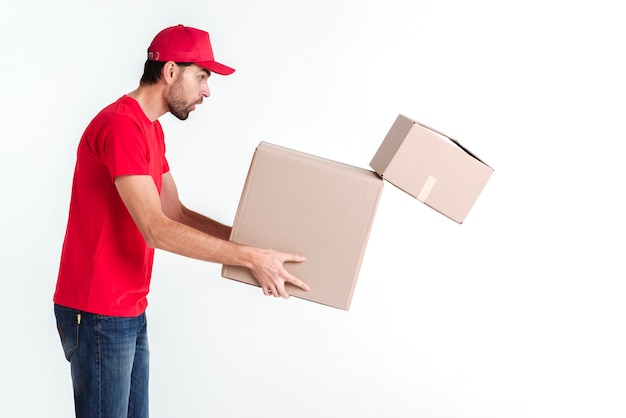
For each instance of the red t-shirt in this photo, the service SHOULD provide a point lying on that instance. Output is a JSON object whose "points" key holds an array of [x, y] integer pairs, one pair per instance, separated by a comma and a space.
{"points": [[105, 263]]}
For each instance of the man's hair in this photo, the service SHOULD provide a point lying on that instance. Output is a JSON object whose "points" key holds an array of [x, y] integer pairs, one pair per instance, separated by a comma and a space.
{"points": [[152, 71]]}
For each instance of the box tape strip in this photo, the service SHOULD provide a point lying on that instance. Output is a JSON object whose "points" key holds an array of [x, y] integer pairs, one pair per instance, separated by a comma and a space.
{"points": [[426, 189]]}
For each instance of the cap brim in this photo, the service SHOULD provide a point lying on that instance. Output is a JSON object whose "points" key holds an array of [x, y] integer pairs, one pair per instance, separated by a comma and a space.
{"points": [[216, 67]]}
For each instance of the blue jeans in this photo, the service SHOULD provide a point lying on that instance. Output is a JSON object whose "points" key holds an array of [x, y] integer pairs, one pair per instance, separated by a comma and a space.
{"points": [[109, 360]]}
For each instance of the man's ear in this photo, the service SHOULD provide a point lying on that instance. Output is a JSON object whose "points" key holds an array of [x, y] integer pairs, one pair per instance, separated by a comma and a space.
{"points": [[170, 72]]}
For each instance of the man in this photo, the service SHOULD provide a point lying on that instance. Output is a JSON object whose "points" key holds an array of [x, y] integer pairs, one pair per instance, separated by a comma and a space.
{"points": [[125, 204]]}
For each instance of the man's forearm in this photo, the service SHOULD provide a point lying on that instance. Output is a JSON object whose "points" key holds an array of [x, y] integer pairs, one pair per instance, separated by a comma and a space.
{"points": [[178, 238], [205, 224]]}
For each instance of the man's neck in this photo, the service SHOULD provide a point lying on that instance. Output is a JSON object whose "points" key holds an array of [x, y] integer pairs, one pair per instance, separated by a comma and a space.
{"points": [[151, 101]]}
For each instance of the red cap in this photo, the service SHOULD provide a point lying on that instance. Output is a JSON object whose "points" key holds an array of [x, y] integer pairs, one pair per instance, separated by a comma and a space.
{"points": [[185, 44]]}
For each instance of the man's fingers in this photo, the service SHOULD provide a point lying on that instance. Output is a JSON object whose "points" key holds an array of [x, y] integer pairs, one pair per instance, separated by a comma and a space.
{"points": [[274, 283], [280, 292], [276, 292], [293, 258], [296, 282], [279, 289]]}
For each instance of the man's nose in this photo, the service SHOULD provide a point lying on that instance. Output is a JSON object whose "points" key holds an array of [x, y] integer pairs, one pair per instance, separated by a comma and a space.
{"points": [[205, 92]]}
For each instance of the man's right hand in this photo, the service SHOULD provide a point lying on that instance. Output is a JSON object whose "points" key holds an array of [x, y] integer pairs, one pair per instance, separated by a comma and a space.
{"points": [[269, 270]]}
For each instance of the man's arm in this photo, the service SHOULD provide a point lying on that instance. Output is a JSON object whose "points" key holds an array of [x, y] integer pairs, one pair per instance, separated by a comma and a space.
{"points": [[139, 194]]}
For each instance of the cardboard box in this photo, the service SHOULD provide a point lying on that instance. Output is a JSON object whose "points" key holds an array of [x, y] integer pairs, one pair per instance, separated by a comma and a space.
{"points": [[303, 204], [432, 167]]}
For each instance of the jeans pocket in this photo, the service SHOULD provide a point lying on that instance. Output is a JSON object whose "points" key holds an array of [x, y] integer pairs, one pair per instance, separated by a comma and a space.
{"points": [[68, 328]]}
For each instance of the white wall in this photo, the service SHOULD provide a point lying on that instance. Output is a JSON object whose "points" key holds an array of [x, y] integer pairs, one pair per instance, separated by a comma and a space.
{"points": [[518, 312]]}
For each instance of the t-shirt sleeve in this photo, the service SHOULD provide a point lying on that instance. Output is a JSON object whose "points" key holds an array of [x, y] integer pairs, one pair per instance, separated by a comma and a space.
{"points": [[124, 148]]}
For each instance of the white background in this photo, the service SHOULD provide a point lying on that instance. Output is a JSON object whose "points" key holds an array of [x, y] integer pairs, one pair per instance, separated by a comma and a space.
{"points": [[518, 312]]}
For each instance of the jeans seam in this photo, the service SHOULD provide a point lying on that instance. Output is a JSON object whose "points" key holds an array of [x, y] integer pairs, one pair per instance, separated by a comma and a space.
{"points": [[97, 320]]}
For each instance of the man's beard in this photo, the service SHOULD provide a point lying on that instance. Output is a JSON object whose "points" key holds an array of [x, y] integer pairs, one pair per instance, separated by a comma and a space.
{"points": [[176, 102]]}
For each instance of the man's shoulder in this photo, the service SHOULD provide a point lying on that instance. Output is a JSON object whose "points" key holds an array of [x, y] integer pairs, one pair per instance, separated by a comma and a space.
{"points": [[124, 106], [122, 113]]}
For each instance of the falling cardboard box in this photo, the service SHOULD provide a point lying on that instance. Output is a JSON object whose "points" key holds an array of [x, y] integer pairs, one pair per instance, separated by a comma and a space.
{"points": [[299, 203], [431, 167]]}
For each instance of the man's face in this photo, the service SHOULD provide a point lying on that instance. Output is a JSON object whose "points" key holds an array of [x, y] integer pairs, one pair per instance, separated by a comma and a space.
{"points": [[188, 90]]}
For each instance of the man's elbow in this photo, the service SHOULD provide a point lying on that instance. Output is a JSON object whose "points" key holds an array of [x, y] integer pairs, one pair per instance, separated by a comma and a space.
{"points": [[154, 233], [152, 241]]}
